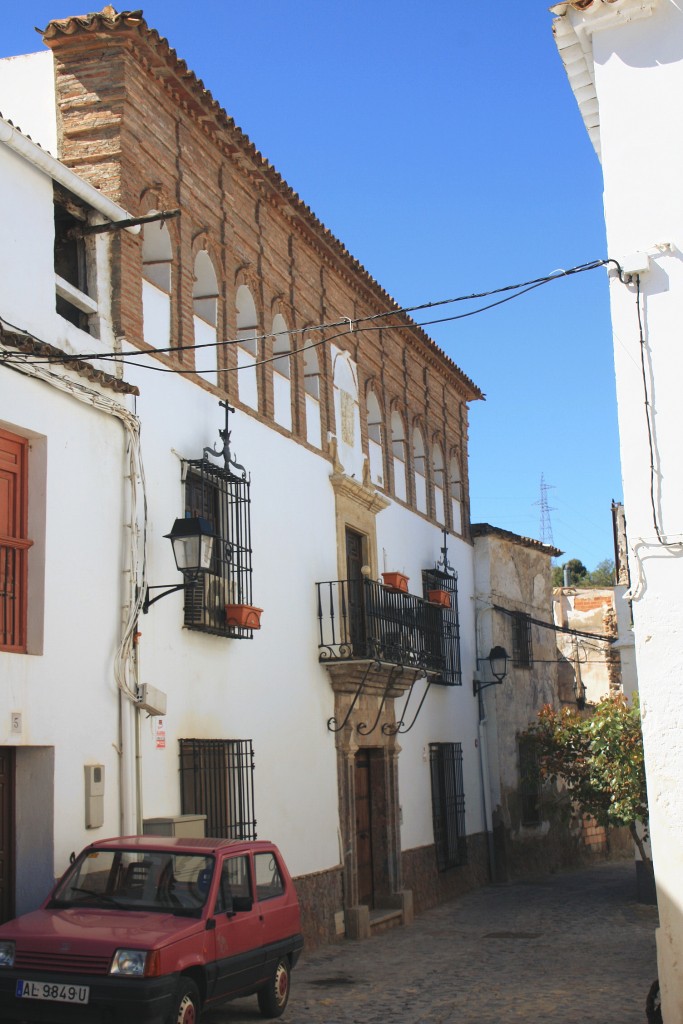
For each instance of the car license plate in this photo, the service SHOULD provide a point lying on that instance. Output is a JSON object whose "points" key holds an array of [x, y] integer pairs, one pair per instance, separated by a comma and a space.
{"points": [[53, 991]]}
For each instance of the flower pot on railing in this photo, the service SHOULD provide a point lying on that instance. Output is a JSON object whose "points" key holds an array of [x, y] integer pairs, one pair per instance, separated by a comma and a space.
{"points": [[396, 581], [440, 597], [244, 616]]}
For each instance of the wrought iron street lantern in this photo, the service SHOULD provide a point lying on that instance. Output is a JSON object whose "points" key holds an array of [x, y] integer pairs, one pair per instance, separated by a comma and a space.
{"points": [[497, 661], [192, 539]]}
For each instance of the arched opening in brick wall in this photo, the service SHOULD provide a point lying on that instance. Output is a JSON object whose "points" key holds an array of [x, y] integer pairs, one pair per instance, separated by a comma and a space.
{"points": [[438, 470], [375, 440], [157, 256], [398, 451], [312, 396], [282, 373], [455, 489], [419, 470], [205, 311], [247, 347]]}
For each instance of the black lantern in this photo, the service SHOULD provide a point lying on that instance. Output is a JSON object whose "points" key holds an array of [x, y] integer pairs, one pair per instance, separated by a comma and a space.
{"points": [[192, 539], [498, 664]]}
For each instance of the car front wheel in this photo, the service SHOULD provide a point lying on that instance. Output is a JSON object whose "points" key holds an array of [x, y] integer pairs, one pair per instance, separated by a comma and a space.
{"points": [[272, 998], [187, 1005]]}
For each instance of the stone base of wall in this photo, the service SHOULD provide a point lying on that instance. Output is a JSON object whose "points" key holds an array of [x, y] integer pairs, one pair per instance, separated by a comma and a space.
{"points": [[531, 853], [321, 894], [431, 886], [321, 901]]}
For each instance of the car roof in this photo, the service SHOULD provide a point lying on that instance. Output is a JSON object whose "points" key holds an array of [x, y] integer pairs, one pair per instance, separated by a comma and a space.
{"points": [[181, 844]]}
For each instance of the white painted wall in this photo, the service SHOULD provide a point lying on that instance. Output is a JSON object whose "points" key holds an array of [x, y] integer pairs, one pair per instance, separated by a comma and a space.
{"points": [[449, 713], [638, 79], [27, 96]]}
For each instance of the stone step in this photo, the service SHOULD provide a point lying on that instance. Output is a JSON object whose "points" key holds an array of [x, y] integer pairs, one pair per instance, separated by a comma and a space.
{"points": [[383, 920]]}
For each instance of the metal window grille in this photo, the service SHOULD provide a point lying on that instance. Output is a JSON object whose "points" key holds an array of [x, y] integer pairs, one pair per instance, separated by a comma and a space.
{"points": [[448, 804], [522, 653], [529, 782], [448, 638], [12, 605], [222, 498], [217, 779]]}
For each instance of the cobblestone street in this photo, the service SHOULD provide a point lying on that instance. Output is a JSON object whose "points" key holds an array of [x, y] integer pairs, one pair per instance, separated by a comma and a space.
{"points": [[574, 948]]}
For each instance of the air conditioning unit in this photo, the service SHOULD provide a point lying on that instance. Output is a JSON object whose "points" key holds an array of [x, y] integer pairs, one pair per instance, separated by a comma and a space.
{"points": [[206, 599]]}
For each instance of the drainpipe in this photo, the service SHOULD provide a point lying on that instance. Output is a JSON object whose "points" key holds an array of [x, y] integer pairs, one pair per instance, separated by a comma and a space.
{"points": [[485, 786]]}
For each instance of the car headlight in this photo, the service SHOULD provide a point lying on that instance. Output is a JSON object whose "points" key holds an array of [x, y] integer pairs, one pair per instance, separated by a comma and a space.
{"points": [[7, 953], [129, 962]]}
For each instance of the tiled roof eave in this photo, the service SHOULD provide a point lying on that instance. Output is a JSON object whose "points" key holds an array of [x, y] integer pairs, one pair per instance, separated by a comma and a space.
{"points": [[573, 28], [27, 345], [486, 530], [133, 25]]}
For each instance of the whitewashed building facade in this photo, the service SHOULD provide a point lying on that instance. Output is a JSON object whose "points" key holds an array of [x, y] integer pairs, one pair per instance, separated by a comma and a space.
{"points": [[624, 60]]}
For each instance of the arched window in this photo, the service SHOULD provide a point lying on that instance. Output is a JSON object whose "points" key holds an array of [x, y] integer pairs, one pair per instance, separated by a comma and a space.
{"points": [[282, 384], [439, 484], [312, 394], [205, 308], [375, 440], [455, 489], [247, 347], [398, 451], [157, 254], [420, 470]]}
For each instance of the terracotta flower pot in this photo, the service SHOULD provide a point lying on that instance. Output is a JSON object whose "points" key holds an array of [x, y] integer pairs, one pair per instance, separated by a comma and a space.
{"points": [[441, 597], [246, 616], [396, 581]]}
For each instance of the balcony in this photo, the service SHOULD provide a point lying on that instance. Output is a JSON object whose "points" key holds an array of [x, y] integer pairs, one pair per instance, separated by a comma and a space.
{"points": [[362, 620]]}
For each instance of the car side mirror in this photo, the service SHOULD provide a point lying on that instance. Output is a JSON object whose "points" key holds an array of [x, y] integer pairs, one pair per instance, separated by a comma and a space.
{"points": [[241, 905]]}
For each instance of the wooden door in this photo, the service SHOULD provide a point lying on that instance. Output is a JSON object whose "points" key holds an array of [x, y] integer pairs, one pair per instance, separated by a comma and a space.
{"points": [[364, 828], [356, 604], [6, 833]]}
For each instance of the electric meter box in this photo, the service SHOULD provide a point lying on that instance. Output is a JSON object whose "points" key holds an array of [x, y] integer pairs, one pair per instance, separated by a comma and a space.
{"points": [[94, 795]]}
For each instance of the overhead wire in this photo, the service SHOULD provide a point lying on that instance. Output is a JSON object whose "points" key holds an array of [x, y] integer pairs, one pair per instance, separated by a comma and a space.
{"points": [[351, 325]]}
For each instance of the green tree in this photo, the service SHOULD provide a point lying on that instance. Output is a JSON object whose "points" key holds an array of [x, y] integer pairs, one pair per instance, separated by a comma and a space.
{"points": [[579, 576], [603, 574], [600, 759], [577, 573]]}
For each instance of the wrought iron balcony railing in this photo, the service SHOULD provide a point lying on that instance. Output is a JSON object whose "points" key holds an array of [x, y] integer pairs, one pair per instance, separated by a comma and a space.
{"points": [[360, 619]]}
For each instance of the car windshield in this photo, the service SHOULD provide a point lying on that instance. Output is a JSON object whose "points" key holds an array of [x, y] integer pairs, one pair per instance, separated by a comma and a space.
{"points": [[137, 880]]}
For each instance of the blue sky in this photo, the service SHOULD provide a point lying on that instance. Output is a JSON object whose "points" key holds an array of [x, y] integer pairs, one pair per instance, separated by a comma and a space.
{"points": [[441, 143]]}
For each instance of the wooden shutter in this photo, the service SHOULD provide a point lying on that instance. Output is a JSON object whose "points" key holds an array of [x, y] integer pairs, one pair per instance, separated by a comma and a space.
{"points": [[14, 543]]}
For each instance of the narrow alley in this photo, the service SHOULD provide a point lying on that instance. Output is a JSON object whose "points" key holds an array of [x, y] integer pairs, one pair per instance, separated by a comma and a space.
{"points": [[574, 948]]}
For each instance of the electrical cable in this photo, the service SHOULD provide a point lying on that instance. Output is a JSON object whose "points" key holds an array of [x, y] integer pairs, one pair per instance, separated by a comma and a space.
{"points": [[351, 325], [648, 414]]}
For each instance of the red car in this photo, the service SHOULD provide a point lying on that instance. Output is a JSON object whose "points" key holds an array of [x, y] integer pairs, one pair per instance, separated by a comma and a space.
{"points": [[150, 929]]}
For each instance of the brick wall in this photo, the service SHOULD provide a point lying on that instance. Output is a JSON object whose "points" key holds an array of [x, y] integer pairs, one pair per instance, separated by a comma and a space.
{"points": [[139, 126]]}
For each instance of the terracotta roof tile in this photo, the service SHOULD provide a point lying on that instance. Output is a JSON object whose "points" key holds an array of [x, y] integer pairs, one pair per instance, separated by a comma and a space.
{"points": [[32, 347], [486, 530], [200, 101]]}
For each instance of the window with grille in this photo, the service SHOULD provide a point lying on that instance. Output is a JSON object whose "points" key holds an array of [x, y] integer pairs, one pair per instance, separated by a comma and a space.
{"points": [[223, 498], [448, 804], [447, 636], [522, 653], [217, 779], [529, 782]]}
